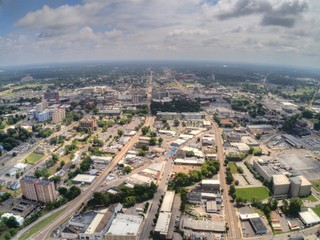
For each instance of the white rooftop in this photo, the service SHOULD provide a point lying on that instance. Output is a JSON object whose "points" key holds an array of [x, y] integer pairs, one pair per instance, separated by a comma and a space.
{"points": [[125, 225], [280, 180], [167, 201], [163, 222], [309, 217], [86, 178]]}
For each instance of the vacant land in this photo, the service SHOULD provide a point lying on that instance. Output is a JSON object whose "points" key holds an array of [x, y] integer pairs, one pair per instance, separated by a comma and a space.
{"points": [[233, 168], [33, 158], [36, 228], [259, 193]]}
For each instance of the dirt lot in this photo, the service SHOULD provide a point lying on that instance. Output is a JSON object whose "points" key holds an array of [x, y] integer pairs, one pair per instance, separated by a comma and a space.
{"points": [[184, 168]]}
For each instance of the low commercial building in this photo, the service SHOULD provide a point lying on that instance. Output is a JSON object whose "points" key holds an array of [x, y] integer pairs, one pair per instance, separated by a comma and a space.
{"points": [[189, 161], [258, 226], [242, 147], [208, 140], [125, 227], [281, 185], [189, 116], [293, 141], [167, 115], [251, 142], [212, 207], [260, 129], [203, 226], [212, 184], [162, 227], [309, 217], [84, 179], [101, 160], [300, 186]]}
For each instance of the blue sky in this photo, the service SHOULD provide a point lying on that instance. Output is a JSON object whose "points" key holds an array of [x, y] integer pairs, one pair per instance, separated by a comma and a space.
{"points": [[259, 31]]}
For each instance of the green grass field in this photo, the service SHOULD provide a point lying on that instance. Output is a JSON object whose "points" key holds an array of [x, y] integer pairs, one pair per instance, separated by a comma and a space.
{"points": [[259, 193], [316, 185], [233, 168], [310, 198], [36, 228], [33, 158], [317, 210]]}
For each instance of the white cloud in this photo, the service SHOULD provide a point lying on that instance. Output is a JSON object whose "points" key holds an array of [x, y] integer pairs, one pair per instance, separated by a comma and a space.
{"points": [[175, 29]]}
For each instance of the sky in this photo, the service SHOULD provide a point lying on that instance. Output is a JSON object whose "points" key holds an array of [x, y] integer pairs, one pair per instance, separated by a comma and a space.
{"points": [[274, 32]]}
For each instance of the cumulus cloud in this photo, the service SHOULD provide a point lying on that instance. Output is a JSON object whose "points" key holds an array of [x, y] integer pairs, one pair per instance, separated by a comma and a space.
{"points": [[283, 13]]}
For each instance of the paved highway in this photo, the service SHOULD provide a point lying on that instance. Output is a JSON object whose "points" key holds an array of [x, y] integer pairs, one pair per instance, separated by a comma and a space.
{"points": [[230, 211]]}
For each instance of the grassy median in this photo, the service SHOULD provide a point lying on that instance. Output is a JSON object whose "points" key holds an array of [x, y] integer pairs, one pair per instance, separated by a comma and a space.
{"points": [[36, 228]]}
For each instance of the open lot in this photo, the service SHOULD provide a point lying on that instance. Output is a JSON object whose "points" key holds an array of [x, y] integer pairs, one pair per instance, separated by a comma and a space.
{"points": [[260, 193], [33, 158], [185, 168]]}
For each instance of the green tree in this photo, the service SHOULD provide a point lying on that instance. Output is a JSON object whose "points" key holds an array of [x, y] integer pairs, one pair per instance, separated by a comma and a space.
{"points": [[127, 169]]}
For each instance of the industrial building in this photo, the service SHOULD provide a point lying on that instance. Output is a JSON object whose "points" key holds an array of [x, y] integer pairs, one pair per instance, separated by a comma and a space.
{"points": [[84, 179], [38, 189], [309, 217], [208, 140], [90, 225], [101, 160], [125, 227], [203, 226], [212, 207], [167, 201], [300, 186], [255, 221], [162, 227], [281, 185], [189, 161]]}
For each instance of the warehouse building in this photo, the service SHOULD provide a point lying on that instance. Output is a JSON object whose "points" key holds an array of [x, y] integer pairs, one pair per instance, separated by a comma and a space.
{"points": [[300, 187], [167, 201], [125, 227], [203, 226], [281, 185], [258, 226], [309, 217], [162, 227], [84, 179]]}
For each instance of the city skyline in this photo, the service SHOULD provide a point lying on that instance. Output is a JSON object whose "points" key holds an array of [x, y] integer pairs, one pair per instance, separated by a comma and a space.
{"points": [[264, 32]]}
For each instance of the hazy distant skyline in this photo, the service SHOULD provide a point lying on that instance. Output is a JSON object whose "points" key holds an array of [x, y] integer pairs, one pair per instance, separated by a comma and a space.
{"points": [[259, 31]]}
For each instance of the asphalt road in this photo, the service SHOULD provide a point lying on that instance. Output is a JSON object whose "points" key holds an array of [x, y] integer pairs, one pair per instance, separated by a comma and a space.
{"points": [[230, 211], [73, 205]]}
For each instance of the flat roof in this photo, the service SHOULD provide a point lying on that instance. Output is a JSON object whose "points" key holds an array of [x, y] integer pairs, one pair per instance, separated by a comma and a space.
{"points": [[167, 201], [199, 225], [247, 216], [210, 181], [280, 180], [125, 224], [163, 223], [309, 217], [258, 225], [96, 221], [84, 178]]}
